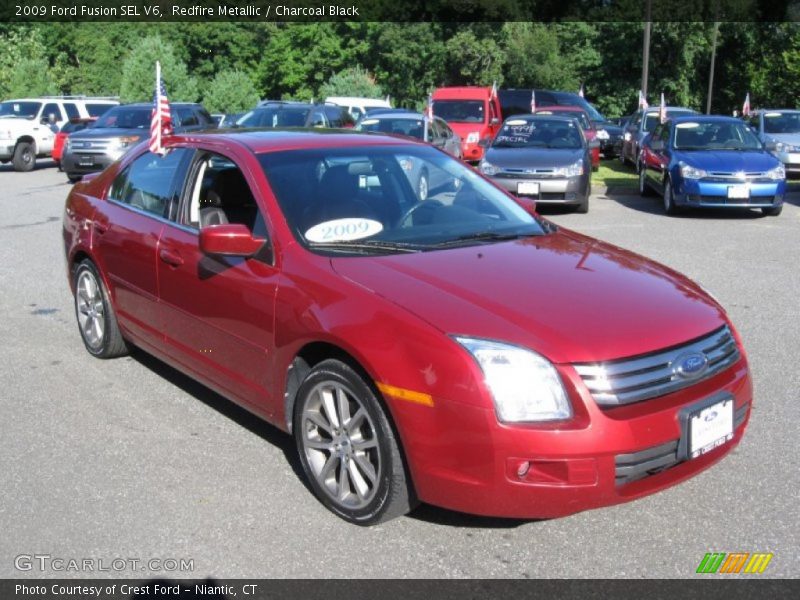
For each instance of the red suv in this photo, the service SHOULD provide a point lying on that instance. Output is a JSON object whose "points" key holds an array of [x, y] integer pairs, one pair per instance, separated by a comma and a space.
{"points": [[473, 113], [436, 350]]}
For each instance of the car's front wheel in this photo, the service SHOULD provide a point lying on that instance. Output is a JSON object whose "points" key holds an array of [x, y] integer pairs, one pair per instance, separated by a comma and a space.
{"points": [[669, 199], [96, 319], [347, 447], [644, 189], [24, 157]]}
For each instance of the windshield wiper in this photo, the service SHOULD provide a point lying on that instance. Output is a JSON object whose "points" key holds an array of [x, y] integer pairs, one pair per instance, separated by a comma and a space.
{"points": [[483, 236], [370, 245]]}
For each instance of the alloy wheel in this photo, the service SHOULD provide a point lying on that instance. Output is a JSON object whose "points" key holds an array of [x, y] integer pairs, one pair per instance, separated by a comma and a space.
{"points": [[91, 311]]}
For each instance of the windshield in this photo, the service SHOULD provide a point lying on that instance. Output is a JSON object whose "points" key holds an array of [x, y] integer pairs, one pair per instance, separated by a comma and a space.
{"points": [[460, 111], [714, 135], [651, 119], [124, 118], [578, 116], [369, 200], [411, 127], [26, 110], [782, 122], [275, 116], [539, 133], [74, 126]]}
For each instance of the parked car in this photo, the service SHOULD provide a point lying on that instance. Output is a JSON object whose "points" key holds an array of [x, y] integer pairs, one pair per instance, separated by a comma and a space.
{"points": [[411, 124], [589, 130], [518, 101], [779, 130], [390, 336], [644, 121], [710, 162], [119, 130], [28, 126], [296, 114], [357, 106], [71, 126], [546, 158], [473, 113]]}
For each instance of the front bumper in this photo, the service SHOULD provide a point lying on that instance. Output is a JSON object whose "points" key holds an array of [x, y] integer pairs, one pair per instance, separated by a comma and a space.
{"points": [[790, 160], [6, 150], [472, 152], [463, 459], [79, 163], [714, 194], [566, 190]]}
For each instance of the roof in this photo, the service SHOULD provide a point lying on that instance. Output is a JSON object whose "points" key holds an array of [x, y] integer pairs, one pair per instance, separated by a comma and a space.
{"points": [[706, 118], [540, 117], [149, 105], [464, 92], [407, 114], [652, 109], [562, 108], [269, 140]]}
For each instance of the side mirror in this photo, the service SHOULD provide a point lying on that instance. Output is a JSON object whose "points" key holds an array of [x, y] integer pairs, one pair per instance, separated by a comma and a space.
{"points": [[229, 240], [494, 121], [51, 118]]}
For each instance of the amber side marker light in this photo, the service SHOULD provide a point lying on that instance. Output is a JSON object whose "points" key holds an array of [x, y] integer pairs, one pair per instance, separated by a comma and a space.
{"points": [[404, 394]]}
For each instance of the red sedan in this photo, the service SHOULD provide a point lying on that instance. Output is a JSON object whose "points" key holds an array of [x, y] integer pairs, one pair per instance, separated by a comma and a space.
{"points": [[441, 351], [71, 126], [586, 123]]}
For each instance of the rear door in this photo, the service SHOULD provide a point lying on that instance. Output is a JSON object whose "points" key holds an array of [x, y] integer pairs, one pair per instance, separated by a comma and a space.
{"points": [[217, 312], [126, 231]]}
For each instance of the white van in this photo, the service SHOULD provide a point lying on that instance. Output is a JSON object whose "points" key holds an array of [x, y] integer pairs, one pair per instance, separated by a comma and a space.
{"points": [[357, 106], [28, 126]]}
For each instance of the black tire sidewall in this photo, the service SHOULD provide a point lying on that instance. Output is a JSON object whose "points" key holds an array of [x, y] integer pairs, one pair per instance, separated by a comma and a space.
{"points": [[19, 152], [87, 265], [336, 371]]}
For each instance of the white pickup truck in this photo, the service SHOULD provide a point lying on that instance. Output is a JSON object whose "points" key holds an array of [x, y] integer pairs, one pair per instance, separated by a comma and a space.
{"points": [[28, 126]]}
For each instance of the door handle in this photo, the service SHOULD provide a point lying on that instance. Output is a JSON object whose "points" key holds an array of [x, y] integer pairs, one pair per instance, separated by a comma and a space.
{"points": [[170, 257]]}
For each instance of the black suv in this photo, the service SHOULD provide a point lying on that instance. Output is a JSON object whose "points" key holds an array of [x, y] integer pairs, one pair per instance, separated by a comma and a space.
{"points": [[121, 128], [276, 113]]}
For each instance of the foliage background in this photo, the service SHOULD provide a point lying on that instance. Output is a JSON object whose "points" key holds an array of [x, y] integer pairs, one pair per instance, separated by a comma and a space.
{"points": [[404, 60]]}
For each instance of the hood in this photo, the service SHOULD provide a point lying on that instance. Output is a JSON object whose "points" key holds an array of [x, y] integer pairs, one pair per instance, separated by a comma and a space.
{"points": [[611, 128], [521, 158], [729, 160], [9, 122], [566, 296], [464, 129], [786, 138], [107, 132]]}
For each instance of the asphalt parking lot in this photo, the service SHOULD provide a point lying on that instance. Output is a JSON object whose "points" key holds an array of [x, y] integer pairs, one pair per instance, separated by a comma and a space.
{"points": [[129, 459]]}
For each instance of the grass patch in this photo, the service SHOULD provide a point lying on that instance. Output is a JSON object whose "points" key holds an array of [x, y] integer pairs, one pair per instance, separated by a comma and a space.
{"points": [[613, 173]]}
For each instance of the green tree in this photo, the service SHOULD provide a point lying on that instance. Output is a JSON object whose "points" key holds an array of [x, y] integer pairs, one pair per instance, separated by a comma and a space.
{"points": [[138, 73], [22, 54], [230, 91], [473, 60], [353, 81], [31, 77]]}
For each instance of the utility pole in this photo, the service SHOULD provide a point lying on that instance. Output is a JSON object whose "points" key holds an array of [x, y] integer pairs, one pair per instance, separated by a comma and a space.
{"points": [[646, 46], [711, 71]]}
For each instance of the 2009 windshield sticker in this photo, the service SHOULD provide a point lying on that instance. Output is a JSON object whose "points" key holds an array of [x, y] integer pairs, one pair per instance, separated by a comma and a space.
{"points": [[343, 230]]}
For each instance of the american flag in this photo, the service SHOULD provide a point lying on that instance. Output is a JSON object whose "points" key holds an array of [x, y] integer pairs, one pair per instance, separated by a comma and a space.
{"points": [[493, 93], [580, 91], [662, 110], [429, 107], [161, 120], [746, 106], [533, 101]]}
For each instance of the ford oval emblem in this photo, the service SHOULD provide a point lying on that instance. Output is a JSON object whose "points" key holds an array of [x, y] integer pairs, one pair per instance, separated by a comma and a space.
{"points": [[690, 365]]}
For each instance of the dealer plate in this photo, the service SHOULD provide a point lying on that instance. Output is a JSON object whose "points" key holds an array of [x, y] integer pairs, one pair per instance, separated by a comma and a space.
{"points": [[710, 427], [86, 161], [738, 192], [528, 188]]}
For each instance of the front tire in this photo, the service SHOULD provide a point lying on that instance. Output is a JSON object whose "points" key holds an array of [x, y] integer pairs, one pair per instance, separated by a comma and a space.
{"points": [[644, 189], [347, 447], [95, 314], [74, 178], [24, 157], [669, 199]]}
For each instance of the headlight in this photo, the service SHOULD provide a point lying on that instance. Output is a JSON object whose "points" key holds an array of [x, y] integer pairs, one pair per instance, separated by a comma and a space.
{"points": [[573, 170], [690, 172], [473, 137], [127, 141], [524, 386], [627, 136], [488, 168], [784, 147], [778, 173], [602, 134]]}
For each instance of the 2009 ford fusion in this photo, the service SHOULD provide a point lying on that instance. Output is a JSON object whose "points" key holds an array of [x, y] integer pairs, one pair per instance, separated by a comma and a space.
{"points": [[457, 350]]}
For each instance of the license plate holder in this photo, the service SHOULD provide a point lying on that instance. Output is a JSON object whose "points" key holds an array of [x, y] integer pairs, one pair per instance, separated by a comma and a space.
{"points": [[528, 188], [86, 161], [706, 426], [739, 192]]}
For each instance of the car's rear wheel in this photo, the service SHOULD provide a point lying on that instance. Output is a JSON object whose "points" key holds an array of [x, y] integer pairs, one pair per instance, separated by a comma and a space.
{"points": [[347, 446], [644, 189], [24, 157], [96, 319], [772, 211]]}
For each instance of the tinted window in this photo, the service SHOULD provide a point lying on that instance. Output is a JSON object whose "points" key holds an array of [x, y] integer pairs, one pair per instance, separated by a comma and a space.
{"points": [[126, 117], [714, 135], [782, 122], [460, 111], [147, 183], [97, 110], [652, 119], [517, 102], [410, 127], [28, 110], [72, 110], [275, 117], [205, 118], [541, 133], [52, 108], [186, 117], [72, 127]]}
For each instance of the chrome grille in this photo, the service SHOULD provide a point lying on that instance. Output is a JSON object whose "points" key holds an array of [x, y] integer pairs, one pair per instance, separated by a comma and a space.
{"points": [[92, 146], [639, 378]]}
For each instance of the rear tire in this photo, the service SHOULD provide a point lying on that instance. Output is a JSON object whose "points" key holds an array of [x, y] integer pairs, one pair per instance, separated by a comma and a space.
{"points": [[644, 189], [24, 157], [669, 199], [772, 211], [347, 447], [97, 321]]}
